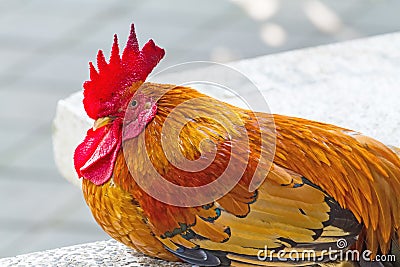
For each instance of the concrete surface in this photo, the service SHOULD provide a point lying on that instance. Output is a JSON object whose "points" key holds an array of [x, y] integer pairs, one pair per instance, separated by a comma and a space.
{"points": [[44, 49], [101, 253]]}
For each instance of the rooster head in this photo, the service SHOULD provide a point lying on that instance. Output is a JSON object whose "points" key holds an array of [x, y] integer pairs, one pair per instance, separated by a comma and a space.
{"points": [[109, 95], [111, 87]]}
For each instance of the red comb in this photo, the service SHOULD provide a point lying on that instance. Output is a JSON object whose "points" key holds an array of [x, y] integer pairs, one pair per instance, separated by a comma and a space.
{"points": [[106, 91]]}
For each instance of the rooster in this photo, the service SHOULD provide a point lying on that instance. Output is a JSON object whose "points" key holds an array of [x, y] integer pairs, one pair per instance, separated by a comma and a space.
{"points": [[318, 185]]}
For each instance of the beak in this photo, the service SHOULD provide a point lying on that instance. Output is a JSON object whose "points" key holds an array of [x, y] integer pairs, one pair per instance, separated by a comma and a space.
{"points": [[101, 122]]}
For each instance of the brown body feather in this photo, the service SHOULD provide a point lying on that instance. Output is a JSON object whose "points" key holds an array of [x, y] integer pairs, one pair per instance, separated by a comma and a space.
{"points": [[316, 167]]}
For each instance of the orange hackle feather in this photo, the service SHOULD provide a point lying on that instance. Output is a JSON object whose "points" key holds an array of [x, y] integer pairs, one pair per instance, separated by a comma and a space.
{"points": [[320, 176]]}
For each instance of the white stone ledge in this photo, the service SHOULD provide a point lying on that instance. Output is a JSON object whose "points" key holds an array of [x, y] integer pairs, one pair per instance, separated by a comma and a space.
{"points": [[353, 84], [101, 253]]}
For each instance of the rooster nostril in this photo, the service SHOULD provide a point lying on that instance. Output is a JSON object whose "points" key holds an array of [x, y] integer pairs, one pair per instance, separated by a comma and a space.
{"points": [[147, 105]]}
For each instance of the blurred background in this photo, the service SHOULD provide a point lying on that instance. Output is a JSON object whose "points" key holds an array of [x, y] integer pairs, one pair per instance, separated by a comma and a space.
{"points": [[45, 47]]}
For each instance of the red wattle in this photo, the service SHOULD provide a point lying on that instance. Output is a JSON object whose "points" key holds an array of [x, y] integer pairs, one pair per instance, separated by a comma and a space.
{"points": [[95, 157]]}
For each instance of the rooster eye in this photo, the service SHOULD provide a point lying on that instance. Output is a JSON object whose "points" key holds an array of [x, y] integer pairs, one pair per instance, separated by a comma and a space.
{"points": [[134, 103]]}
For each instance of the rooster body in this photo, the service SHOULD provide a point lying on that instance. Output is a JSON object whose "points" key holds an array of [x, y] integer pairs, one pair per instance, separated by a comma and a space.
{"points": [[322, 184]]}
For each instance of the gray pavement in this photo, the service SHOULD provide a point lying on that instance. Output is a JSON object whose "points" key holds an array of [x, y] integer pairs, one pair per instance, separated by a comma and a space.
{"points": [[44, 49]]}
